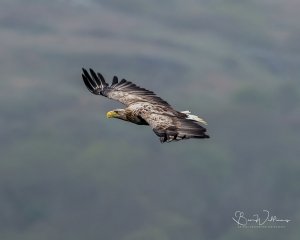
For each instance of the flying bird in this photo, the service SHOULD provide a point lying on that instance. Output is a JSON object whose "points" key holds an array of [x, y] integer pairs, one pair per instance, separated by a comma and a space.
{"points": [[143, 107]]}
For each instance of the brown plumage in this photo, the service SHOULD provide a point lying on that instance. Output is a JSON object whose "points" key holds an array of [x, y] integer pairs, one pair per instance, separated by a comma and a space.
{"points": [[145, 108]]}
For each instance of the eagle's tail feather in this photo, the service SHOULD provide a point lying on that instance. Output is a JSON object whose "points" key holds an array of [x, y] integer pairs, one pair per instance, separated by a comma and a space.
{"points": [[194, 117]]}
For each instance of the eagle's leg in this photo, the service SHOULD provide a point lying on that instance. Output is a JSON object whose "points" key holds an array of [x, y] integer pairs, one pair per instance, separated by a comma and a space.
{"points": [[171, 133], [163, 139], [167, 135], [161, 134]]}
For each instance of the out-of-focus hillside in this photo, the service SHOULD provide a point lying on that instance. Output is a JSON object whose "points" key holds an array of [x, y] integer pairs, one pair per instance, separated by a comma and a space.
{"points": [[67, 172]]}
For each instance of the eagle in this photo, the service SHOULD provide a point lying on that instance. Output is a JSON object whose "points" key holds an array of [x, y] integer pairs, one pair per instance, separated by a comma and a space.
{"points": [[144, 107]]}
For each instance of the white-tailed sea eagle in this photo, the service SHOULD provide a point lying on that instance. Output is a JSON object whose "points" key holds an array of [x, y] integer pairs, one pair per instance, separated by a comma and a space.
{"points": [[143, 107]]}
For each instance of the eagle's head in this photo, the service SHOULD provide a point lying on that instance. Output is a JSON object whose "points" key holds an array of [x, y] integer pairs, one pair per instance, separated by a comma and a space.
{"points": [[117, 113]]}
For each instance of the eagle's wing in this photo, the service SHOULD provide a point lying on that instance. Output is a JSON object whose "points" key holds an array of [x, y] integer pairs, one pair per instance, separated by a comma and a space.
{"points": [[169, 125], [124, 91]]}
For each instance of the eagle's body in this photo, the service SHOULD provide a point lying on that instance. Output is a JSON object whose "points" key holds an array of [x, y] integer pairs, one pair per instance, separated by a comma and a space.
{"points": [[145, 108]]}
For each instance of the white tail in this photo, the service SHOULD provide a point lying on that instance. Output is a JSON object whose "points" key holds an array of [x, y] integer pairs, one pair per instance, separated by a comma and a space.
{"points": [[194, 117]]}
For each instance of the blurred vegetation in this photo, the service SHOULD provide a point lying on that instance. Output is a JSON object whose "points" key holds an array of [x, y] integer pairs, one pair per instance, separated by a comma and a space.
{"points": [[66, 172]]}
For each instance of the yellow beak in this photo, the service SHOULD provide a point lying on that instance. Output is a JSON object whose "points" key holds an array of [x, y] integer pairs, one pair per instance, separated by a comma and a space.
{"points": [[111, 114]]}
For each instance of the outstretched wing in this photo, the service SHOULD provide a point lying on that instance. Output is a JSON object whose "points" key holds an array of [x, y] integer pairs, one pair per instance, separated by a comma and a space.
{"points": [[124, 91]]}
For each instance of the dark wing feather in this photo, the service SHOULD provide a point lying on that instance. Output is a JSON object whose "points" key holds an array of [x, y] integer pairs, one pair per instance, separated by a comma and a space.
{"points": [[114, 81], [124, 91], [95, 83]]}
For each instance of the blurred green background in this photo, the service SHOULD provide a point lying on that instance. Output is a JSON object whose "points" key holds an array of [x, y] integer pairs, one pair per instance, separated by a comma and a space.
{"points": [[67, 172]]}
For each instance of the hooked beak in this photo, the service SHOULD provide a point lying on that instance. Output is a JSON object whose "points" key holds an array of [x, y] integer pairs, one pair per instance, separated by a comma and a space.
{"points": [[111, 114]]}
